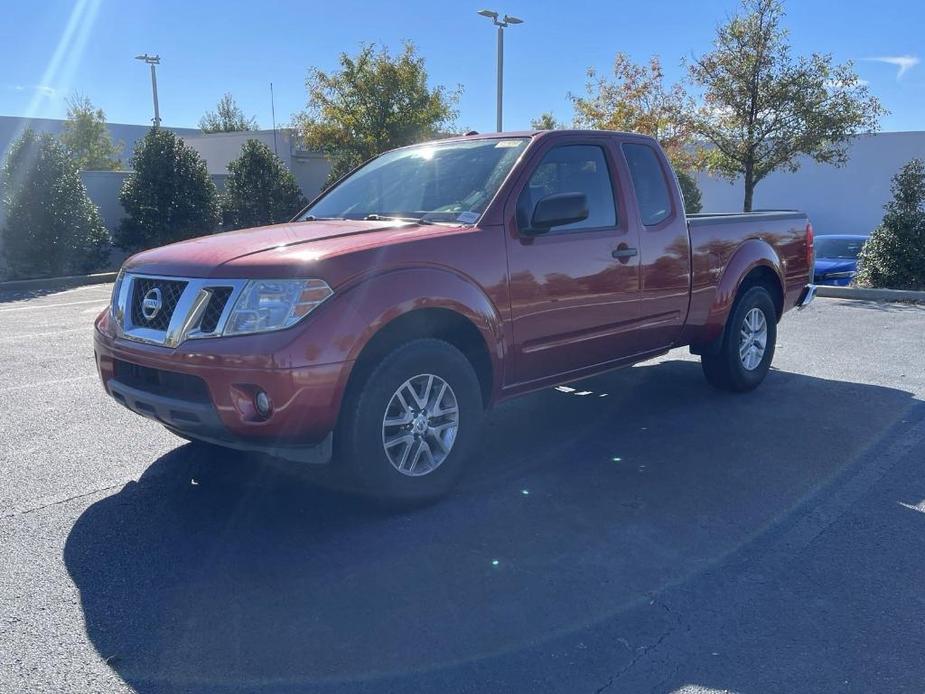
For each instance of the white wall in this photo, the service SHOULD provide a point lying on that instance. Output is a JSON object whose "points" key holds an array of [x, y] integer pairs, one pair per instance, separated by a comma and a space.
{"points": [[311, 171], [846, 200], [104, 187], [11, 127], [220, 149]]}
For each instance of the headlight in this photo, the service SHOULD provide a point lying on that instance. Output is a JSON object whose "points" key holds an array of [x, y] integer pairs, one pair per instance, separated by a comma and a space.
{"points": [[265, 305]]}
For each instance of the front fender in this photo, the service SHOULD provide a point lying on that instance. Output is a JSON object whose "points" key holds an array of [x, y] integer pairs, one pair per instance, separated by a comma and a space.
{"points": [[383, 298], [339, 329]]}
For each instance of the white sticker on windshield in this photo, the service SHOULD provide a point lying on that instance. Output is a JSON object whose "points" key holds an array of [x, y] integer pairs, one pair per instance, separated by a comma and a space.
{"points": [[468, 217], [507, 143]]}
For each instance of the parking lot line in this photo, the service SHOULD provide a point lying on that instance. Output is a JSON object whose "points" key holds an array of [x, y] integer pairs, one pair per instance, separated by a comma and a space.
{"points": [[10, 338], [25, 386], [72, 303]]}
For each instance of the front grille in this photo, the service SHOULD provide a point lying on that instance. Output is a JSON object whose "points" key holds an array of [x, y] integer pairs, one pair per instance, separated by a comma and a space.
{"points": [[214, 309], [160, 382], [170, 291]]}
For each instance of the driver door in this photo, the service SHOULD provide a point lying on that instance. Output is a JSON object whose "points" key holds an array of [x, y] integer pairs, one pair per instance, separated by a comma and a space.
{"points": [[575, 288]]}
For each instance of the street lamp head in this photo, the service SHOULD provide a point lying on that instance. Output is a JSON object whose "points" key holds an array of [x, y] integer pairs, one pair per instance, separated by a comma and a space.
{"points": [[488, 13], [508, 19], [150, 59]]}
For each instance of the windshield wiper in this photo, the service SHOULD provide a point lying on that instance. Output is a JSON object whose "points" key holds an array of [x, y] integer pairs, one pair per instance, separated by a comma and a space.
{"points": [[373, 217], [313, 218]]}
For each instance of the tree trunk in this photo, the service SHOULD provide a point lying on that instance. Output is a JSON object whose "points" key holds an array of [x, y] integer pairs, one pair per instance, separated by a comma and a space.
{"points": [[749, 188]]}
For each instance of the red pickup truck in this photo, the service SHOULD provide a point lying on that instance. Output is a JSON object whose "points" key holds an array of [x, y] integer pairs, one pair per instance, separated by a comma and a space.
{"points": [[435, 281]]}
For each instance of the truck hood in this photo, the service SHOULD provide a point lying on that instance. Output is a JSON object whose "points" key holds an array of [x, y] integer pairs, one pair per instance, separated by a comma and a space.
{"points": [[281, 250]]}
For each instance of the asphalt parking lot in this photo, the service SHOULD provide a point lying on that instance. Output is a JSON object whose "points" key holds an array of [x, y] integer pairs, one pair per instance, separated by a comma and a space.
{"points": [[641, 532]]}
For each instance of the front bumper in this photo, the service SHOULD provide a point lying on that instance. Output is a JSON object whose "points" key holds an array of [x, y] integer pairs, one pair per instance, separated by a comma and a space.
{"points": [[209, 394], [201, 422]]}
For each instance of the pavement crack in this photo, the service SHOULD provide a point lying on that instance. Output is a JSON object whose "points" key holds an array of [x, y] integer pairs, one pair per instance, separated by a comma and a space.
{"points": [[644, 651], [61, 500]]}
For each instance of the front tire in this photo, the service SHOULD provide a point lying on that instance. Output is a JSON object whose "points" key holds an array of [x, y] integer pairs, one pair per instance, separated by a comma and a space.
{"points": [[408, 427], [745, 355]]}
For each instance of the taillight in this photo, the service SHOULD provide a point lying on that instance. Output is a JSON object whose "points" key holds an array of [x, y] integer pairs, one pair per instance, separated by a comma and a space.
{"points": [[810, 250]]}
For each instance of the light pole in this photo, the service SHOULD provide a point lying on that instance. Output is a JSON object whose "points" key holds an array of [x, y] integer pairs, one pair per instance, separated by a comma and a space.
{"points": [[153, 60], [501, 23]]}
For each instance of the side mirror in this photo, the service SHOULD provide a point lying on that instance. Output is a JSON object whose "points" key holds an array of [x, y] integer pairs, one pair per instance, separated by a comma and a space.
{"points": [[558, 209]]}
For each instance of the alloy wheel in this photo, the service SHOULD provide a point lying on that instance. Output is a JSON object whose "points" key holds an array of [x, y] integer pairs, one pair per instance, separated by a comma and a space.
{"points": [[420, 425]]}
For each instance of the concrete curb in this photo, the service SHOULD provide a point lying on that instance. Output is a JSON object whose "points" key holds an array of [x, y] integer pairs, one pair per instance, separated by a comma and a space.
{"points": [[57, 282], [861, 294]]}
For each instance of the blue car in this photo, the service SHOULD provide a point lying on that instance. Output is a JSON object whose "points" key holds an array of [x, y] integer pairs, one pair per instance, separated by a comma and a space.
{"points": [[837, 259]]}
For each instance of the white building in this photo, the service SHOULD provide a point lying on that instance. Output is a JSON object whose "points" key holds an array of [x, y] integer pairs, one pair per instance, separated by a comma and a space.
{"points": [[846, 200], [218, 150]]}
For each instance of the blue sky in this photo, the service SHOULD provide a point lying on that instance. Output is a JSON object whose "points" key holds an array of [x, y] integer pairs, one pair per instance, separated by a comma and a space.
{"points": [[50, 48]]}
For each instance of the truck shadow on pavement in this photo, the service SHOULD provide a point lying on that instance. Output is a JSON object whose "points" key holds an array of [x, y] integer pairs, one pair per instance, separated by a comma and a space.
{"points": [[582, 505]]}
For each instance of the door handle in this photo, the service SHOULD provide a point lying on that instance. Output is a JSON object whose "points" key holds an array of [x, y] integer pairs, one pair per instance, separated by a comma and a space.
{"points": [[623, 253]]}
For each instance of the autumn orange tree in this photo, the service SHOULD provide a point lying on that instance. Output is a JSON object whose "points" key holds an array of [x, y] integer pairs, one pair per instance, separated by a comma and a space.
{"points": [[636, 98]]}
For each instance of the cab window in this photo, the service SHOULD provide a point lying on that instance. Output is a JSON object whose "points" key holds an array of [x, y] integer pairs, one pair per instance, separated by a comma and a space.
{"points": [[649, 183], [572, 169]]}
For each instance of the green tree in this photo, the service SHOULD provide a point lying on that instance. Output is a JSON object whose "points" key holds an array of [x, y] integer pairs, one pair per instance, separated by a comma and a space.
{"points": [[86, 137], [894, 255], [763, 107], [169, 196], [259, 189], [226, 118], [374, 102], [635, 98], [546, 121], [52, 228], [690, 192]]}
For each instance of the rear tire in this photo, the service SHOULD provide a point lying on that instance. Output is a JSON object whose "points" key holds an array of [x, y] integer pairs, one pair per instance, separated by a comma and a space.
{"points": [[406, 429], [745, 355]]}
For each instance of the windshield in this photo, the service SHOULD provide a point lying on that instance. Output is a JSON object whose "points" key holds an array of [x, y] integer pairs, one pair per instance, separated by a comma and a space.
{"points": [[847, 249], [447, 182]]}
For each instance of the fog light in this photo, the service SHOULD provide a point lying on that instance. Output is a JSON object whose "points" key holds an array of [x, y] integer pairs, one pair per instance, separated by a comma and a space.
{"points": [[263, 404]]}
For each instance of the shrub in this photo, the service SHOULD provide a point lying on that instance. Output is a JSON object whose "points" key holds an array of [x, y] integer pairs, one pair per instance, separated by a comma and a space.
{"points": [[169, 196], [259, 189], [894, 256], [690, 191], [52, 227]]}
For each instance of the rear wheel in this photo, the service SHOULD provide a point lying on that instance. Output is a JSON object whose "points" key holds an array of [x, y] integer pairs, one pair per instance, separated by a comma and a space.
{"points": [[745, 355], [406, 430]]}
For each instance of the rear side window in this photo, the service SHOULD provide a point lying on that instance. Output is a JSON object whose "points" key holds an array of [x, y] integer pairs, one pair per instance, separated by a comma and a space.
{"points": [[571, 169], [649, 182]]}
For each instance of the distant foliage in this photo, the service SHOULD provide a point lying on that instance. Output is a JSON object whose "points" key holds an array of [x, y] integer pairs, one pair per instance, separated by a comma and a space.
{"points": [[260, 189], [635, 98], [690, 191], [169, 196], [52, 228], [226, 118], [546, 121], [86, 137], [373, 103], [894, 256]]}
